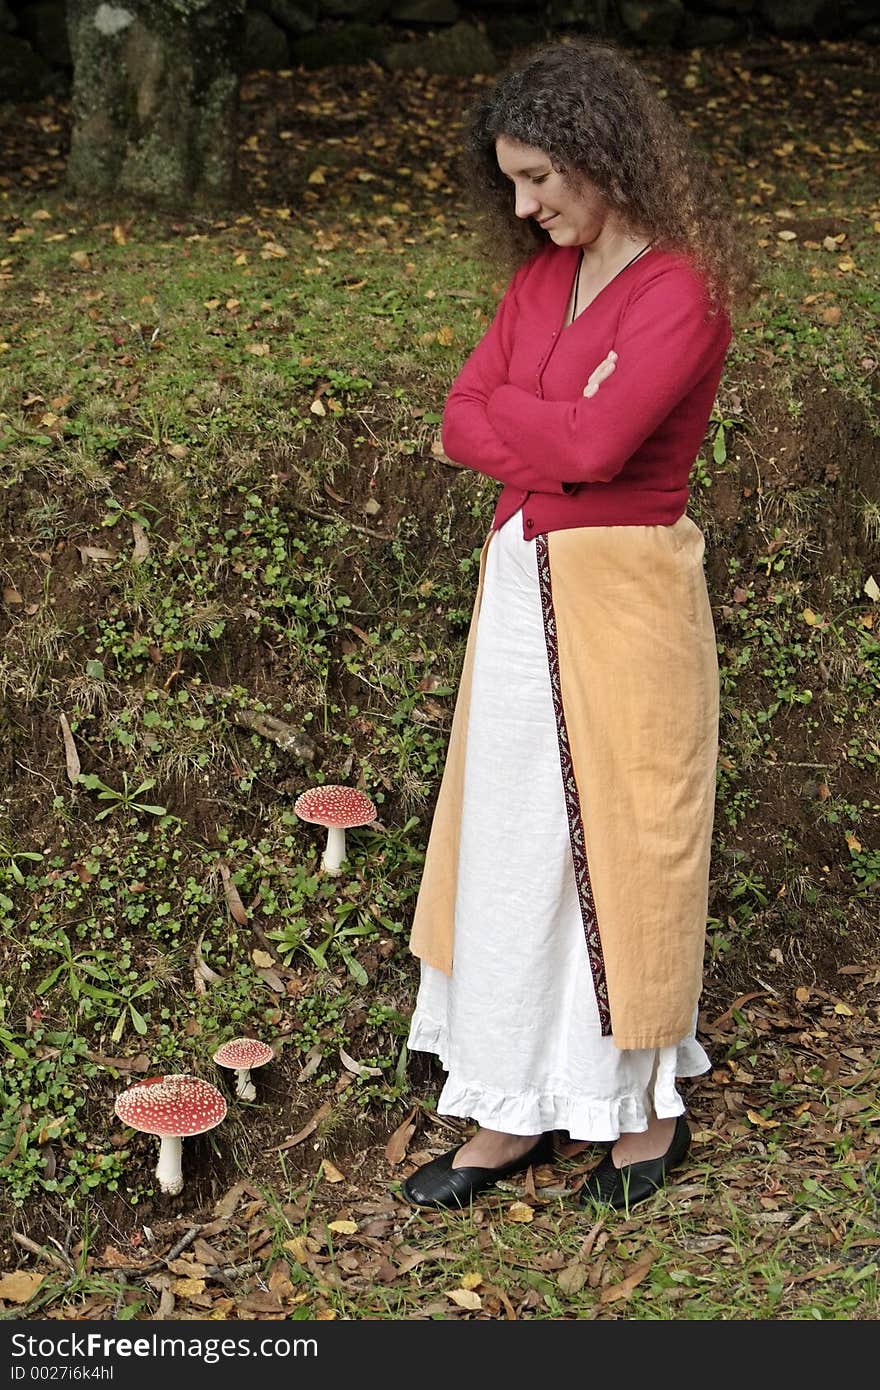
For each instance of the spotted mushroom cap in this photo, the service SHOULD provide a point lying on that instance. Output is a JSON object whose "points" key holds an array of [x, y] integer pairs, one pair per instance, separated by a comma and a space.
{"points": [[171, 1106], [243, 1052], [335, 805]]}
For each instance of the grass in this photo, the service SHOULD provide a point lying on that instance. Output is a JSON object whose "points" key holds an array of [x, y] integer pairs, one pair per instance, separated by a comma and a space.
{"points": [[220, 506]]}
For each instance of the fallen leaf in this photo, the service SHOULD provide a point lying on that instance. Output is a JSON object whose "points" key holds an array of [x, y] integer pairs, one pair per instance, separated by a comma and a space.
{"points": [[329, 1171], [307, 1129], [472, 1281], [186, 1288], [395, 1149], [233, 899], [298, 1249], [573, 1277], [521, 1213], [141, 545], [262, 959], [20, 1286], [871, 588], [466, 1298], [357, 1068], [614, 1292], [344, 1228], [71, 757], [760, 1121]]}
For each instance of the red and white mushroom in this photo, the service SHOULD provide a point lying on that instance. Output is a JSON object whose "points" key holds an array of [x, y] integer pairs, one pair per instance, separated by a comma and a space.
{"points": [[172, 1107], [339, 809], [241, 1054]]}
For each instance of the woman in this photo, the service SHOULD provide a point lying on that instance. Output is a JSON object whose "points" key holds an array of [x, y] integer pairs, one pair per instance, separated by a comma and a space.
{"points": [[561, 915]]}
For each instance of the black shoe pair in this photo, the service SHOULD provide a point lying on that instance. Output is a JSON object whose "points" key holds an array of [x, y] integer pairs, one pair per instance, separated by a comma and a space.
{"points": [[438, 1184], [621, 1188]]}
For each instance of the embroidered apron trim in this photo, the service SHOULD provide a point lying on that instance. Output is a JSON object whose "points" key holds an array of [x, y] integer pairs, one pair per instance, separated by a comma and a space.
{"points": [[572, 796]]}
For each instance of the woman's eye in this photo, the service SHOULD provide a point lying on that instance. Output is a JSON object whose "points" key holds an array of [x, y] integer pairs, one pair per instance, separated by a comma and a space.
{"points": [[541, 178]]}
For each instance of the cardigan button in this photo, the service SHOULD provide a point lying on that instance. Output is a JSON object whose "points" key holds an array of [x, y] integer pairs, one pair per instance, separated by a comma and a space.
{"points": [[530, 525]]}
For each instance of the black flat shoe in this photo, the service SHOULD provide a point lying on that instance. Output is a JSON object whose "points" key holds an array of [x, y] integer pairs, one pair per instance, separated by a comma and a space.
{"points": [[623, 1187], [438, 1184]]}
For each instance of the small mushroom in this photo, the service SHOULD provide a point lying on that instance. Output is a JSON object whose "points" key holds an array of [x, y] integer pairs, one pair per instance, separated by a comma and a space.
{"points": [[241, 1054], [172, 1107], [339, 809]]}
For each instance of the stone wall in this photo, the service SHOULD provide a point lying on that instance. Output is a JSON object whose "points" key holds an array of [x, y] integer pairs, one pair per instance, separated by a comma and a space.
{"points": [[452, 36]]}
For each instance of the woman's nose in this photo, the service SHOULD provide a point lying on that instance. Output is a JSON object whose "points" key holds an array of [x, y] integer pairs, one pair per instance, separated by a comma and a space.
{"points": [[526, 204]]}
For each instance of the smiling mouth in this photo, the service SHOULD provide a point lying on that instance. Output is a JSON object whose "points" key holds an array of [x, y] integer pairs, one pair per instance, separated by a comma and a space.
{"points": [[544, 222]]}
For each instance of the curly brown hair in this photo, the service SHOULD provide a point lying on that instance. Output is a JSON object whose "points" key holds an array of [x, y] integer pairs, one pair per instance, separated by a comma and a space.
{"points": [[590, 108]]}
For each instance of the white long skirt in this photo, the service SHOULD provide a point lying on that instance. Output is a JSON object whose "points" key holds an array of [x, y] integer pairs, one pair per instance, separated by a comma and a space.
{"points": [[516, 1026]]}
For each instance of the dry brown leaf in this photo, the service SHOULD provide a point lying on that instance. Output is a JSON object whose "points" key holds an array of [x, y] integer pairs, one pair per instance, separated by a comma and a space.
{"points": [[329, 1171], [521, 1213], [71, 757], [760, 1121], [20, 1286], [395, 1149], [307, 1129], [357, 1068], [573, 1277], [298, 1249], [466, 1298], [94, 552], [614, 1292], [233, 899], [187, 1288], [141, 544]]}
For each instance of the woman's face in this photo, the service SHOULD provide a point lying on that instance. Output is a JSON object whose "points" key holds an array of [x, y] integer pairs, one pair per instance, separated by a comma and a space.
{"points": [[570, 217]]}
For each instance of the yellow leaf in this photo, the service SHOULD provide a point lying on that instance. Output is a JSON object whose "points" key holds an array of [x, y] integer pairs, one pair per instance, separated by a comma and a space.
{"points": [[120, 236], [80, 258], [316, 176], [262, 959], [21, 1286], [465, 1298], [188, 1287], [330, 1173], [318, 408], [298, 1249], [810, 617], [258, 349], [241, 258], [212, 303], [345, 1228], [41, 215], [472, 1281], [759, 1120], [445, 335], [846, 265], [786, 236], [520, 1212], [325, 1315], [844, 1009], [272, 251], [232, 304], [872, 589], [802, 994], [178, 451], [854, 844]]}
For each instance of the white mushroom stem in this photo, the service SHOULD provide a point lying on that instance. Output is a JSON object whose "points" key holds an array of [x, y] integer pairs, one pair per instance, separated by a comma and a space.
{"points": [[168, 1169], [335, 851], [244, 1087]]}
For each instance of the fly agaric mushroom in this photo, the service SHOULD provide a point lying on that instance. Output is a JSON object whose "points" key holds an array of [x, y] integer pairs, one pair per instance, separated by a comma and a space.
{"points": [[241, 1054], [172, 1107], [339, 808]]}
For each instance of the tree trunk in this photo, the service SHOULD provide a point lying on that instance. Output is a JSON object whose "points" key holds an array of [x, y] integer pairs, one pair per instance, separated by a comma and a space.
{"points": [[155, 98]]}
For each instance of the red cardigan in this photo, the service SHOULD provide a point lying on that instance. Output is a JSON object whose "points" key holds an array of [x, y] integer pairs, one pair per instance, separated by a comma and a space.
{"points": [[622, 457]]}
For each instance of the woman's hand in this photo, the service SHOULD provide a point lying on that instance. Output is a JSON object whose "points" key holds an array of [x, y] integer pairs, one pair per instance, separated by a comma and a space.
{"points": [[602, 373]]}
